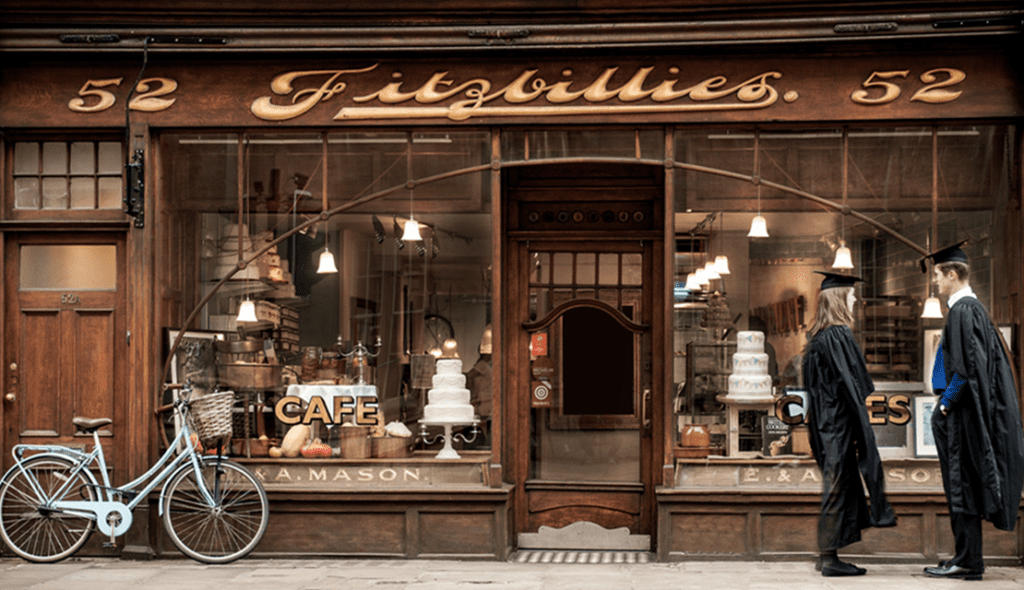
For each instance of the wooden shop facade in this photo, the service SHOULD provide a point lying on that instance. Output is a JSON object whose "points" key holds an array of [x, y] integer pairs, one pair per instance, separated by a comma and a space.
{"points": [[569, 169]]}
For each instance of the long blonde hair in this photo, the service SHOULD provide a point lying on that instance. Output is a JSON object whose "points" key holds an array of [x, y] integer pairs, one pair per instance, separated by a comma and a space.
{"points": [[832, 311]]}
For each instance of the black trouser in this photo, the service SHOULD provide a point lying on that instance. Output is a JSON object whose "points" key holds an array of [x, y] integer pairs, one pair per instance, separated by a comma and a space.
{"points": [[967, 536]]}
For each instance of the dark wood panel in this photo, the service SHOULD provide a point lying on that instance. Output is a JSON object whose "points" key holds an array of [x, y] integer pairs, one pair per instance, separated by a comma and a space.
{"points": [[626, 502], [708, 534], [563, 517], [789, 533], [93, 389], [448, 533], [40, 400]]}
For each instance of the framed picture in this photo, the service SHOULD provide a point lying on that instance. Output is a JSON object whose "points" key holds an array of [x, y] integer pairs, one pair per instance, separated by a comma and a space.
{"points": [[180, 355], [924, 442]]}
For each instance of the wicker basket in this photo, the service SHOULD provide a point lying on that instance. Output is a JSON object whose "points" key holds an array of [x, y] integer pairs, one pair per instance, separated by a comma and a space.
{"points": [[211, 415]]}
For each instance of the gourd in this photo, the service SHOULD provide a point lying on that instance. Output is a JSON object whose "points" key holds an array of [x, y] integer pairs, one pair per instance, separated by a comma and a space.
{"points": [[294, 440], [316, 449], [274, 452]]}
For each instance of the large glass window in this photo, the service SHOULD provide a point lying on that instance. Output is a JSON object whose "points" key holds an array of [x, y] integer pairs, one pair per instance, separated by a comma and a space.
{"points": [[890, 176], [232, 195]]}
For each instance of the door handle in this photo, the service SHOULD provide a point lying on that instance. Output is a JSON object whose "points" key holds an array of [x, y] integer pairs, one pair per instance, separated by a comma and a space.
{"points": [[11, 397], [645, 402]]}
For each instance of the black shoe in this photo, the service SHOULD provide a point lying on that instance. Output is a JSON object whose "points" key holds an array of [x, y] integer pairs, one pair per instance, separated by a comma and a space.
{"points": [[953, 571], [841, 568]]}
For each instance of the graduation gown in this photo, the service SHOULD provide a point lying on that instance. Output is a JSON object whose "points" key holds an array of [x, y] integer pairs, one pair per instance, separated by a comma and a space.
{"points": [[842, 440], [980, 441]]}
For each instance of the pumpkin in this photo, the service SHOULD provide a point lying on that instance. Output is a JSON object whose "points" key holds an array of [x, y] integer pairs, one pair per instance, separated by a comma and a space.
{"points": [[316, 449], [294, 440]]}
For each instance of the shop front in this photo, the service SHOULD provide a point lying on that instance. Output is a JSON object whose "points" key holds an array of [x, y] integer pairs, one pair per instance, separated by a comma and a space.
{"points": [[476, 303]]}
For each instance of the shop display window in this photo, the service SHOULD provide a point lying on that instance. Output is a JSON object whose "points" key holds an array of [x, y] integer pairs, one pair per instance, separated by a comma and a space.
{"points": [[371, 326], [930, 185]]}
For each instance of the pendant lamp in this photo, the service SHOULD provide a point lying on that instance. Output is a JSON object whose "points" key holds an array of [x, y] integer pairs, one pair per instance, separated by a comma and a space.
{"points": [[327, 265], [844, 259], [247, 311], [710, 271], [412, 231], [758, 227], [722, 264], [932, 309], [326, 262]]}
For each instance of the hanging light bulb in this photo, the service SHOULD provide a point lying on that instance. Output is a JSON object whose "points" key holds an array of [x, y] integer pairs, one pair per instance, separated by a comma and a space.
{"points": [[412, 231], [692, 284], [710, 271], [843, 257], [932, 309], [758, 228], [327, 262], [247, 311], [722, 264]]}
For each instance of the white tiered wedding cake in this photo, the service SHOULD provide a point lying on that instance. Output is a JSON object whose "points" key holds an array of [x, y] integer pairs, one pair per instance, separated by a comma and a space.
{"points": [[448, 400], [750, 381]]}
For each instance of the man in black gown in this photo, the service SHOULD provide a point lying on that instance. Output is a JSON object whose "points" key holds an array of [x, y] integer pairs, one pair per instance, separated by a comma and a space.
{"points": [[977, 423], [841, 436]]}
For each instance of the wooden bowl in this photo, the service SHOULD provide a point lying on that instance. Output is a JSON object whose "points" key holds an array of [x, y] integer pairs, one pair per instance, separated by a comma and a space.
{"points": [[354, 448]]}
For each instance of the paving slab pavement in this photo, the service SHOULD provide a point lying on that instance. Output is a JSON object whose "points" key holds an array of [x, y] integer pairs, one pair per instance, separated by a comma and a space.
{"points": [[383, 574]]}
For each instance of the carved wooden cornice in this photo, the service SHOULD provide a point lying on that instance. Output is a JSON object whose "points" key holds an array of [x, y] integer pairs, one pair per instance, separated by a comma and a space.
{"points": [[535, 36]]}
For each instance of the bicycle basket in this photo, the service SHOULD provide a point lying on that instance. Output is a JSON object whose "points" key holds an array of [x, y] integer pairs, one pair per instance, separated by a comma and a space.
{"points": [[211, 415]]}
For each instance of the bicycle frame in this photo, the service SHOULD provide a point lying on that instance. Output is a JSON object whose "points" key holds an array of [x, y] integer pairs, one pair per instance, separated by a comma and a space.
{"points": [[101, 509]]}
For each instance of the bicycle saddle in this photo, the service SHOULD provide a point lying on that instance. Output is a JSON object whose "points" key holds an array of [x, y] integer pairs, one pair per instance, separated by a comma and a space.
{"points": [[91, 424]]}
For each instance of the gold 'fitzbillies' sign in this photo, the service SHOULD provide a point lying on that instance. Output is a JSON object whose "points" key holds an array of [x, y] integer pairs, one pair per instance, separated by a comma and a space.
{"points": [[382, 93]]}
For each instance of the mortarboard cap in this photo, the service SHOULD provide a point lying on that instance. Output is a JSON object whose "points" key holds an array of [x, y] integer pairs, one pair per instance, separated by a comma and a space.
{"points": [[948, 254], [833, 280]]}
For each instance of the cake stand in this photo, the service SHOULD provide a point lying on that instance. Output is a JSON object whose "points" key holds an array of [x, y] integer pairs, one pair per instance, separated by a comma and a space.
{"points": [[765, 404], [447, 452]]}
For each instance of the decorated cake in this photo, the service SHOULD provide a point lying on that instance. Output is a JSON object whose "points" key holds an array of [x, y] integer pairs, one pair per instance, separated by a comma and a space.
{"points": [[448, 400], [750, 381]]}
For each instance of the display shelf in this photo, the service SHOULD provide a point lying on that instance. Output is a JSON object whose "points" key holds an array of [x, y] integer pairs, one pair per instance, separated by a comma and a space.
{"points": [[891, 338]]}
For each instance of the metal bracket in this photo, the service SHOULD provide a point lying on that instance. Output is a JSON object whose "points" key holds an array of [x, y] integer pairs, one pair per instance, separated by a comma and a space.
{"points": [[134, 193]]}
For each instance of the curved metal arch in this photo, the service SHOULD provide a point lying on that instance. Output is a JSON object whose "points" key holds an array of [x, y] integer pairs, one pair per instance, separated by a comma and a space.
{"points": [[498, 164], [568, 306]]}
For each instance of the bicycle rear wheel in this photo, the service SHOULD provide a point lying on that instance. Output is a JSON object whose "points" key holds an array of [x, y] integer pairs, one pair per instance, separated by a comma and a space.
{"points": [[29, 528], [226, 531]]}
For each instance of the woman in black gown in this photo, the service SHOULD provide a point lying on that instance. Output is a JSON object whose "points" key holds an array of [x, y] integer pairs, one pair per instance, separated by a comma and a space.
{"points": [[841, 437]]}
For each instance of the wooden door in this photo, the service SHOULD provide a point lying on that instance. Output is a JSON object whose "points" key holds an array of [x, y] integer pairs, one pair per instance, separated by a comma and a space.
{"points": [[65, 339], [582, 302]]}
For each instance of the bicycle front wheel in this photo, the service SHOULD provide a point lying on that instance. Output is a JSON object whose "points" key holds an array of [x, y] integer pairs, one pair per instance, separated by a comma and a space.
{"points": [[28, 523], [229, 529]]}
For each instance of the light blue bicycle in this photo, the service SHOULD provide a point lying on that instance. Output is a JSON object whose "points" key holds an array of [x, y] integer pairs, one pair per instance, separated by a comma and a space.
{"points": [[214, 510]]}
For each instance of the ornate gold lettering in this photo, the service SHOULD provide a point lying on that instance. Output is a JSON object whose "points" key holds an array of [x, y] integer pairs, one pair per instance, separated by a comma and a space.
{"points": [[92, 88], [147, 101], [754, 93], [265, 109], [891, 91], [931, 93]]}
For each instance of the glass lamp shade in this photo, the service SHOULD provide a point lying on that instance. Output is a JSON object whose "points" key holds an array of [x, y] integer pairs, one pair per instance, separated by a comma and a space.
{"points": [[932, 309], [247, 311], [692, 283], [435, 352], [412, 231], [450, 349], [843, 258], [758, 228], [326, 263], [722, 264], [710, 271]]}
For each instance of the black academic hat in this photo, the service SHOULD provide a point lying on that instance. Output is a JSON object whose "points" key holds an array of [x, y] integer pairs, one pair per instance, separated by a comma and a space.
{"points": [[833, 280], [948, 254]]}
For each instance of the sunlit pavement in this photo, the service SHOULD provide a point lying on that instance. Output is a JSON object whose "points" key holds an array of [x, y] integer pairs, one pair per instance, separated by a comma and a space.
{"points": [[357, 574]]}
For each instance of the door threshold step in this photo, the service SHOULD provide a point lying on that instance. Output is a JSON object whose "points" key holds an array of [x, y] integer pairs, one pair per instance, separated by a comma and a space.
{"points": [[588, 557]]}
